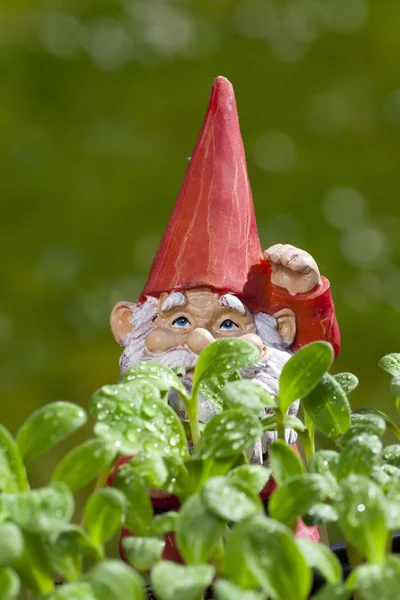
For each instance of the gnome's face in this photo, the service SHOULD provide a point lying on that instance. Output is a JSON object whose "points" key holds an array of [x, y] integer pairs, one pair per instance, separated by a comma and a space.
{"points": [[198, 318]]}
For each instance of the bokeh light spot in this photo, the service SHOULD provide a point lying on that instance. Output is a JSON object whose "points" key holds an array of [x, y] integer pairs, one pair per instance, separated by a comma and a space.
{"points": [[275, 152], [364, 246], [343, 207]]}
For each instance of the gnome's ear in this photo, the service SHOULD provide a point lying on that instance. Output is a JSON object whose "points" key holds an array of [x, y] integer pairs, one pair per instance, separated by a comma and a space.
{"points": [[121, 319], [286, 324]]}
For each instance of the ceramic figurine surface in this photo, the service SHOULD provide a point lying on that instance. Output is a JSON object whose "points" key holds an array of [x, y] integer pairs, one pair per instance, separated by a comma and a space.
{"points": [[210, 278]]}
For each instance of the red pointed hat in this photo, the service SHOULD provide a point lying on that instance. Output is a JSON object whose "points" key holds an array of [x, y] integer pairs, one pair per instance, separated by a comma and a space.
{"points": [[212, 239]]}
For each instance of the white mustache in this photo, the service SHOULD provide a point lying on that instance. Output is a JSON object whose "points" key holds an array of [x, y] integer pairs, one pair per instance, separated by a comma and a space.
{"points": [[178, 357]]}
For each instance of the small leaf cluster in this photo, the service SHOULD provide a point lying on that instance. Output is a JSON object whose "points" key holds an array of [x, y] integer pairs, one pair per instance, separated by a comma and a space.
{"points": [[220, 529]]}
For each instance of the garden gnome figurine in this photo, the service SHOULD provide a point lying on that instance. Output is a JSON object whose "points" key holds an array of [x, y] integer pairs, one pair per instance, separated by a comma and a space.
{"points": [[211, 280]]}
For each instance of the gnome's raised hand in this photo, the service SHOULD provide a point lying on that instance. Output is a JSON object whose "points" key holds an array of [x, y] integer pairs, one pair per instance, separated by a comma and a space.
{"points": [[292, 269]]}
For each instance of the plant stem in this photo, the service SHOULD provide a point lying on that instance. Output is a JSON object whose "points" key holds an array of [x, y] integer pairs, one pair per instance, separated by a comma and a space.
{"points": [[355, 559], [192, 408], [279, 424], [323, 531]]}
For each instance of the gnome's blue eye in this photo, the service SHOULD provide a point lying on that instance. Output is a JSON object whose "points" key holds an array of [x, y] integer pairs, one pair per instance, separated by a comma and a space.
{"points": [[181, 322], [228, 324]]}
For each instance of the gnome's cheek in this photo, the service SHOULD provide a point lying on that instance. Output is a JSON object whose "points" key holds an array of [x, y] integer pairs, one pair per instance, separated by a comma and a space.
{"points": [[162, 340]]}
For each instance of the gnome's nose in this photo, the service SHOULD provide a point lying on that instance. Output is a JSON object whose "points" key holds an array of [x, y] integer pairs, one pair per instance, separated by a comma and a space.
{"points": [[198, 339]]}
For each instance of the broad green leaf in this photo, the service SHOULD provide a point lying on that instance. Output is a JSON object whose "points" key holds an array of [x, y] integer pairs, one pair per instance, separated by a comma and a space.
{"points": [[134, 416], [391, 455], [337, 591], [11, 543], [377, 582], [47, 426], [33, 566], [328, 407], [320, 513], [364, 421], [226, 590], [230, 500], [284, 461], [395, 385], [104, 514], [229, 433], [324, 462], [9, 584], [268, 423], [74, 541], [151, 468], [361, 507], [41, 510], [73, 591], [224, 356], [393, 503], [139, 512], [248, 394], [292, 422], [165, 523], [12, 470], [159, 375], [295, 497], [176, 582], [211, 388], [255, 550], [347, 381], [391, 364], [320, 557], [84, 463], [143, 552], [254, 477], [198, 531], [303, 371], [359, 455], [114, 579]]}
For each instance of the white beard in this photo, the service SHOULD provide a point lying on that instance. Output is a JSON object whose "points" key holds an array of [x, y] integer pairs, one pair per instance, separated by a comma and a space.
{"points": [[266, 372]]}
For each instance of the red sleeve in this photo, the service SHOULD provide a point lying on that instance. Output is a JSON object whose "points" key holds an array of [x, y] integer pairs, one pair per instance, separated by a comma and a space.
{"points": [[315, 314]]}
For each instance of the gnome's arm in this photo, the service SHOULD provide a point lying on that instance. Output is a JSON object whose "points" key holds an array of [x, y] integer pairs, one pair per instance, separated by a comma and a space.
{"points": [[293, 273]]}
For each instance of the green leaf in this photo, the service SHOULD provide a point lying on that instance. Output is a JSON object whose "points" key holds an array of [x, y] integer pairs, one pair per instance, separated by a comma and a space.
{"points": [[224, 356], [135, 417], [12, 470], [391, 364], [104, 514], [159, 375], [303, 371], [139, 514], [151, 468], [226, 590], [290, 421], [211, 388], [165, 523], [74, 541], [114, 579], [198, 531], [33, 566], [328, 407], [364, 421], [73, 591], [40, 510], [296, 496], [175, 582], [230, 500], [47, 426], [254, 477], [11, 543], [377, 582], [84, 463], [320, 557], [255, 549], [359, 455], [9, 584], [361, 507], [347, 381], [143, 552], [337, 591], [395, 385], [391, 455], [320, 513], [229, 433], [324, 462], [248, 394], [284, 461]]}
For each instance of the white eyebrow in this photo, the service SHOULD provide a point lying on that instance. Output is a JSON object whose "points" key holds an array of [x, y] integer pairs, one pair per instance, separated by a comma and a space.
{"points": [[230, 301], [174, 299]]}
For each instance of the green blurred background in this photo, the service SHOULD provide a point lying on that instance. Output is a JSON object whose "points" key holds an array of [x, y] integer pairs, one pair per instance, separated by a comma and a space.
{"points": [[101, 102]]}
